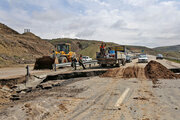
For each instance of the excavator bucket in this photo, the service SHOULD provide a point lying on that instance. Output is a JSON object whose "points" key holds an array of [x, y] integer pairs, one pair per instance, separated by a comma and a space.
{"points": [[45, 62]]}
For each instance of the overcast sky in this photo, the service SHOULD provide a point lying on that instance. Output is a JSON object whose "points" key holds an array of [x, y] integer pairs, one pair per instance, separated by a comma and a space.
{"points": [[150, 23]]}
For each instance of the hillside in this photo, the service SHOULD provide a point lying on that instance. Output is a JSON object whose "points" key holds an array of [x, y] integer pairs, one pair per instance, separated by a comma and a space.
{"points": [[90, 47], [169, 51], [18, 48], [175, 48], [84, 47]]}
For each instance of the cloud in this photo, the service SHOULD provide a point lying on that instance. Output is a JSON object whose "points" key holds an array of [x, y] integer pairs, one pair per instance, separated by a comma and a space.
{"points": [[140, 22]]}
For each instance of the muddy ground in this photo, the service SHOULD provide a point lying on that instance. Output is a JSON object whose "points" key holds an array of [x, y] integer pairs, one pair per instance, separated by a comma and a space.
{"points": [[92, 97]]}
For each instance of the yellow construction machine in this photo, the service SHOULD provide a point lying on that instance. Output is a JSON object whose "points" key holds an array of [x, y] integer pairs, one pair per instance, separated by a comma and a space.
{"points": [[61, 54]]}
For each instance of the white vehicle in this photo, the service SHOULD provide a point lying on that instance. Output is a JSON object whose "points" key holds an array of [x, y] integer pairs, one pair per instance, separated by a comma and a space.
{"points": [[86, 59], [143, 58]]}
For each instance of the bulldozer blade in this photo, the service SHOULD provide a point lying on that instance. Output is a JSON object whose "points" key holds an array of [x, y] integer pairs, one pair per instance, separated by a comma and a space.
{"points": [[45, 62]]}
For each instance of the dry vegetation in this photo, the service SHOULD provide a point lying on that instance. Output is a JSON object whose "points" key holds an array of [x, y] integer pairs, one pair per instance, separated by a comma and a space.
{"points": [[18, 48]]}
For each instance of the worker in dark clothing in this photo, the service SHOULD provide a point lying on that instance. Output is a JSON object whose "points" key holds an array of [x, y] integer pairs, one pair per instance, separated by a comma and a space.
{"points": [[81, 62], [73, 64], [102, 49]]}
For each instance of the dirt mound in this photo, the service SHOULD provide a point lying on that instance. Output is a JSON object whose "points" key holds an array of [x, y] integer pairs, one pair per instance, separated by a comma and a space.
{"points": [[116, 72], [129, 72], [44, 62], [155, 70]]}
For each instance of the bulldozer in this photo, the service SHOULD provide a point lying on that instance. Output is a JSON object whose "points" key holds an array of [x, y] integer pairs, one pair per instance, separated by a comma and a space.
{"points": [[61, 54]]}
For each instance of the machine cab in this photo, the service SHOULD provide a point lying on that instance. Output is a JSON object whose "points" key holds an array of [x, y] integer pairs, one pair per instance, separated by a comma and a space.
{"points": [[63, 48]]}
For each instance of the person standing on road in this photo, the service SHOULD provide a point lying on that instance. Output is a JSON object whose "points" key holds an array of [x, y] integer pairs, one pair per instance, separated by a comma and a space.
{"points": [[102, 49], [73, 64], [81, 62]]}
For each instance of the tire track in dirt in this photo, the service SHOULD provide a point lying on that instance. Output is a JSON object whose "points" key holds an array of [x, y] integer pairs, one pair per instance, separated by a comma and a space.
{"points": [[145, 102], [96, 99]]}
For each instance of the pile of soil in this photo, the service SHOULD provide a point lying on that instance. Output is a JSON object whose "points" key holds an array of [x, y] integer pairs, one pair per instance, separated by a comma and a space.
{"points": [[116, 72], [129, 72], [133, 72], [44, 62], [155, 70]]}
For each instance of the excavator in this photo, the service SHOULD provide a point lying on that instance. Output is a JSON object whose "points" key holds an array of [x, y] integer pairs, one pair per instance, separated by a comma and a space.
{"points": [[62, 54]]}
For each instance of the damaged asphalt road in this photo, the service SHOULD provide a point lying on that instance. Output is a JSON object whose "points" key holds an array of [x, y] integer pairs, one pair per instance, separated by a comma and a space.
{"points": [[91, 97], [96, 98]]}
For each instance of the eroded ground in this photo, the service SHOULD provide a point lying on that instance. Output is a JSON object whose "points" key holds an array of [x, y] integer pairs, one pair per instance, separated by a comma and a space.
{"points": [[97, 98]]}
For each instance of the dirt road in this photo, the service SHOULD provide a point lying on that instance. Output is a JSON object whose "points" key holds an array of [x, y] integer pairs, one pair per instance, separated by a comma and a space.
{"points": [[97, 98], [21, 71]]}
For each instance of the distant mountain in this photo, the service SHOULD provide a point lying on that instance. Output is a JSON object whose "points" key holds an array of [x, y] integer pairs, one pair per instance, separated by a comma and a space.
{"points": [[80, 46], [90, 47], [175, 48]]}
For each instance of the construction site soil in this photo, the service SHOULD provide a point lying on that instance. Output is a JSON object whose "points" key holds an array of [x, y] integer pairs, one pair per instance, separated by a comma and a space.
{"points": [[9, 88], [4, 98], [44, 62], [129, 72], [153, 70]]}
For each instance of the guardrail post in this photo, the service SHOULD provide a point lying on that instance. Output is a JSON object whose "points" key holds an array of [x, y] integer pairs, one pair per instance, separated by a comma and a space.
{"points": [[27, 67], [27, 74]]}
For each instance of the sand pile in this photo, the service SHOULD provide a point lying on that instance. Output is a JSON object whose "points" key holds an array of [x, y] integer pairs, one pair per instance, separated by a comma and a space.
{"points": [[129, 72], [155, 70], [134, 72], [116, 72], [44, 62]]}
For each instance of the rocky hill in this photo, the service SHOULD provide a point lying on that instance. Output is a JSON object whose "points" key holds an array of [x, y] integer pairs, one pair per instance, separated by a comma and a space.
{"points": [[18, 48]]}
